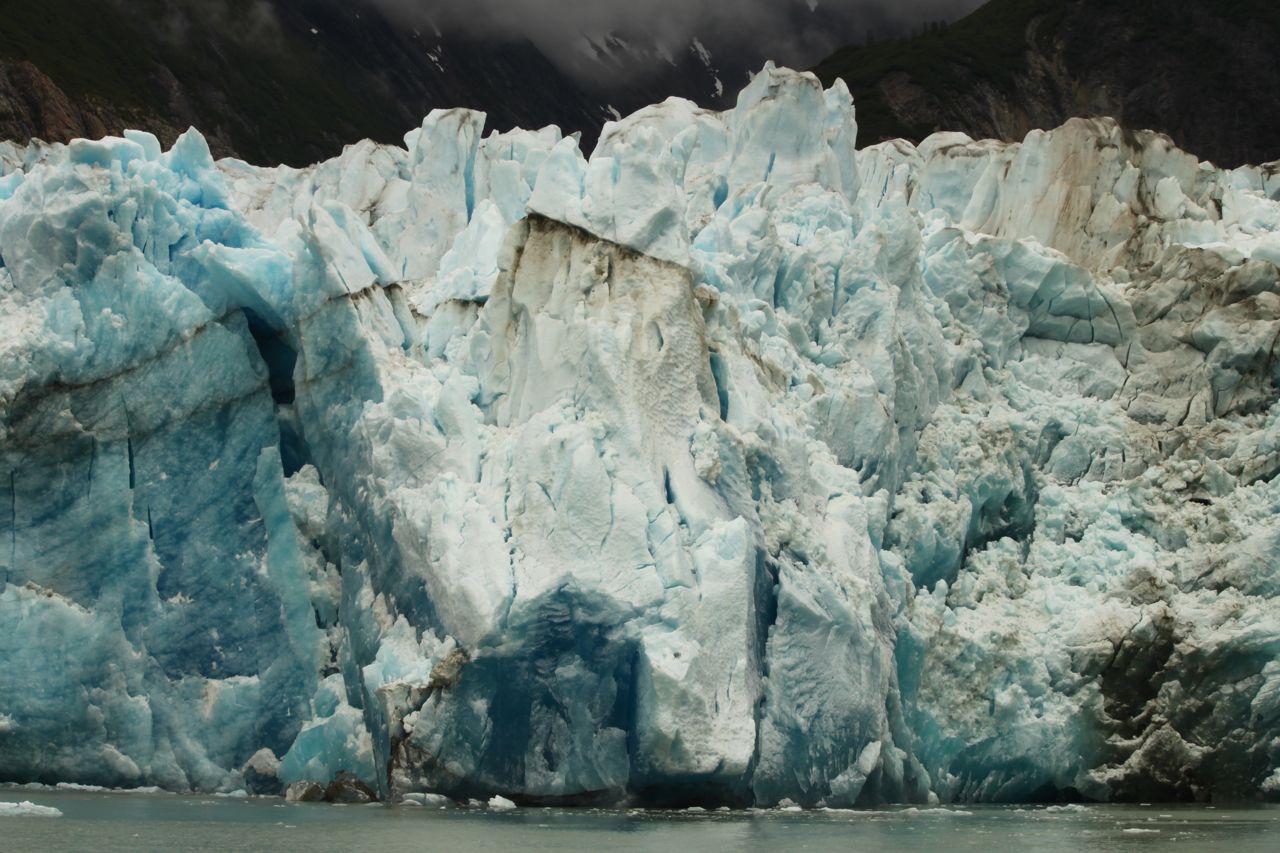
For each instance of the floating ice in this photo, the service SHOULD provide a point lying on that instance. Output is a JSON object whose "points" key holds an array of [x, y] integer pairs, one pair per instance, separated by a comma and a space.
{"points": [[26, 808]]}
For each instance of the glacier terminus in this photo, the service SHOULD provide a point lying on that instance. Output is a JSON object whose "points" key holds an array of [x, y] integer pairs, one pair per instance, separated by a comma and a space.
{"points": [[728, 466]]}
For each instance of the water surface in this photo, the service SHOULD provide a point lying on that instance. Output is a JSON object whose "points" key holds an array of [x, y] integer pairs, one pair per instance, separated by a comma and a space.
{"points": [[140, 822]]}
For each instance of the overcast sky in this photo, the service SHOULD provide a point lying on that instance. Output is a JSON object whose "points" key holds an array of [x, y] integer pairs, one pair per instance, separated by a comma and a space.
{"points": [[796, 32]]}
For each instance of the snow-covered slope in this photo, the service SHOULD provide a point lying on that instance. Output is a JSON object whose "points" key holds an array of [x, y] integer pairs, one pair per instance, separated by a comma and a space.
{"points": [[728, 466]]}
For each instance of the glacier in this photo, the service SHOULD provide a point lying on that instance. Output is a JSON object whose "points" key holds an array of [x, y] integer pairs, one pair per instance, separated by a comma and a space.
{"points": [[728, 466]]}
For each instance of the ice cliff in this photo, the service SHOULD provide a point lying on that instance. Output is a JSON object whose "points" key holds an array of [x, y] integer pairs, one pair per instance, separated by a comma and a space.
{"points": [[725, 466]]}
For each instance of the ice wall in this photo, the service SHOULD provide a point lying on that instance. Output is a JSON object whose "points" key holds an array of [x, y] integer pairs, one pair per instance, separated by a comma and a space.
{"points": [[729, 465]]}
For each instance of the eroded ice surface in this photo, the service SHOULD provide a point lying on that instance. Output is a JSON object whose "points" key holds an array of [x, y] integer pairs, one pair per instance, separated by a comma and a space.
{"points": [[726, 466]]}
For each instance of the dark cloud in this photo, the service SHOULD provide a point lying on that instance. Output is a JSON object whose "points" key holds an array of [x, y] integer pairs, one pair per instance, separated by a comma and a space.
{"points": [[186, 22], [793, 32]]}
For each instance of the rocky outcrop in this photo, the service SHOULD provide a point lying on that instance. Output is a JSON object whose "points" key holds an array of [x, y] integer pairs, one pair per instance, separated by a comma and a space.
{"points": [[33, 107]]}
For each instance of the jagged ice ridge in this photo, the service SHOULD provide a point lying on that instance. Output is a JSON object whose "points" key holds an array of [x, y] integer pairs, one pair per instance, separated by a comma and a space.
{"points": [[729, 465]]}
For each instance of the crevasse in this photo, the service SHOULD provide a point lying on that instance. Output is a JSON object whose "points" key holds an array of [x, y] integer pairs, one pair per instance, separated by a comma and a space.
{"points": [[729, 465]]}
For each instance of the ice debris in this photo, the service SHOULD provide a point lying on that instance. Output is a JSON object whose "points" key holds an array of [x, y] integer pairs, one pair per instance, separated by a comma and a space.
{"points": [[26, 808], [726, 466]]}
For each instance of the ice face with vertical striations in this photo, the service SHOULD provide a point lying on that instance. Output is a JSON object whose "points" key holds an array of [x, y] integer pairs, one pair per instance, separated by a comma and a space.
{"points": [[729, 465]]}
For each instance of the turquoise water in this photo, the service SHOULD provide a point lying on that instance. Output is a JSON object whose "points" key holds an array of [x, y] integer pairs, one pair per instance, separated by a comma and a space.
{"points": [[136, 822]]}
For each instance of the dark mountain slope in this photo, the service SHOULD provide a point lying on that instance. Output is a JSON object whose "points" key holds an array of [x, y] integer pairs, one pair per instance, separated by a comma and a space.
{"points": [[1206, 72], [294, 80], [271, 82]]}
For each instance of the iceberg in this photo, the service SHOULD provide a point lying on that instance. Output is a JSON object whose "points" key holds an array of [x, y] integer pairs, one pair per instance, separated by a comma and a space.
{"points": [[26, 808], [727, 466]]}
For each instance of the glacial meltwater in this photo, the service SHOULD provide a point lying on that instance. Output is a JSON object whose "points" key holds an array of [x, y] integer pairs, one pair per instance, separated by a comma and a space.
{"points": [[92, 821]]}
